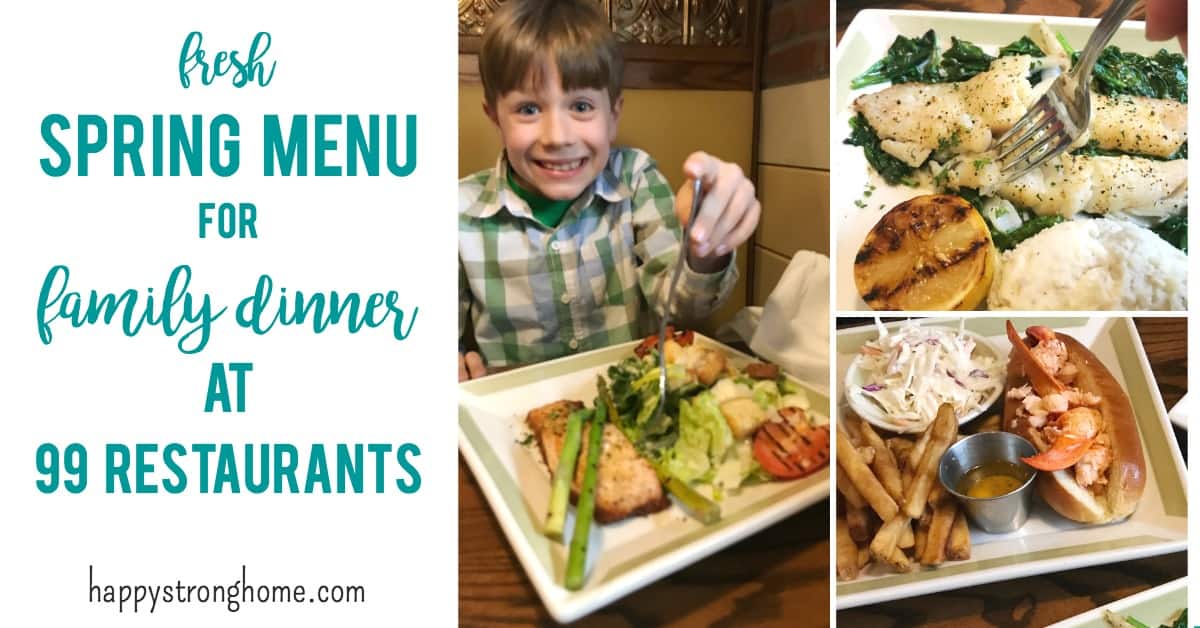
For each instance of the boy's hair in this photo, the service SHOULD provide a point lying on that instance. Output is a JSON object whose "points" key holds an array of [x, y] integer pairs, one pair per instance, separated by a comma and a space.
{"points": [[572, 34]]}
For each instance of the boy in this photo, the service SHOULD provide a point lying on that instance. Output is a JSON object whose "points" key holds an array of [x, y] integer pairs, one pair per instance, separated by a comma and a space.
{"points": [[566, 244]]}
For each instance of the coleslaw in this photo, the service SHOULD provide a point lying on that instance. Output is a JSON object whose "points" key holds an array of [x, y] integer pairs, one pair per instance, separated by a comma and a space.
{"points": [[908, 372]]}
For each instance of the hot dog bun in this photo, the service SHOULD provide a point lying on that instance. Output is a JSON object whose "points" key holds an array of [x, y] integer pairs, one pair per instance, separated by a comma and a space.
{"points": [[1126, 475]]}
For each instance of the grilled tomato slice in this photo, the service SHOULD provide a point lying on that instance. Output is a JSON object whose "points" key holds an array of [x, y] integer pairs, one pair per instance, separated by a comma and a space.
{"points": [[684, 338], [791, 448]]}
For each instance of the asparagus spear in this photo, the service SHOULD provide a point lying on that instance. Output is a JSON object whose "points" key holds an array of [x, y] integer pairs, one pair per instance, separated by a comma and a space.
{"points": [[577, 557], [698, 506], [563, 476]]}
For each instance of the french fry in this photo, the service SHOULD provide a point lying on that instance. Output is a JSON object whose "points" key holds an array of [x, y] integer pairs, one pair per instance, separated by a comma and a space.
{"points": [[859, 522], [884, 465], [847, 552], [850, 424], [936, 494], [900, 561], [907, 539], [884, 545], [900, 447], [854, 499], [863, 480], [920, 536], [939, 531], [918, 448], [958, 547], [892, 508], [909, 468], [943, 430], [990, 423]]}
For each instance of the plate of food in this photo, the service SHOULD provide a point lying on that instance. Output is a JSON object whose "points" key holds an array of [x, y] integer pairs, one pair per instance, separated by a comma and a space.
{"points": [[738, 447], [1164, 606], [1076, 465], [926, 221]]}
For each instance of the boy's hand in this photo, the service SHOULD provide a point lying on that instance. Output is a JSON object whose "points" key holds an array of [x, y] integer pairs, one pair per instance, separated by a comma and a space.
{"points": [[728, 212], [470, 366]]}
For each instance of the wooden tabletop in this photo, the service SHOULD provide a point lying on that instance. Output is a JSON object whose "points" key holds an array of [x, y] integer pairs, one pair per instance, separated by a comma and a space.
{"points": [[1045, 599]]}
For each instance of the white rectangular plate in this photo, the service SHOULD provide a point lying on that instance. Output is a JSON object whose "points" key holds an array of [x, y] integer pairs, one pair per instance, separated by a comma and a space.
{"points": [[624, 556], [866, 41], [1049, 542], [1152, 607]]}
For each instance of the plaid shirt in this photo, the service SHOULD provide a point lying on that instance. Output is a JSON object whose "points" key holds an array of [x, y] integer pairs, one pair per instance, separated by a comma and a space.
{"points": [[534, 293]]}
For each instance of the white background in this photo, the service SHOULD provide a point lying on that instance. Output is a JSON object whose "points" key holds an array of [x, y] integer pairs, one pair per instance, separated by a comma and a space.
{"points": [[94, 385]]}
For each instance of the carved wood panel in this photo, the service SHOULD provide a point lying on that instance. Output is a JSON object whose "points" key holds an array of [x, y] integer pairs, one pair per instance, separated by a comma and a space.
{"points": [[669, 44], [720, 23], [473, 16], [648, 21]]}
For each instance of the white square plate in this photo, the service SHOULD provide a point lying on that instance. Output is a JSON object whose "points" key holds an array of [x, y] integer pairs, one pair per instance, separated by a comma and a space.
{"points": [[1152, 607], [866, 41], [1049, 542], [624, 556]]}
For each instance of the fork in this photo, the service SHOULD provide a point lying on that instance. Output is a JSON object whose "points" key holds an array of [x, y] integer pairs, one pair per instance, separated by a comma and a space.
{"points": [[662, 322], [1062, 114]]}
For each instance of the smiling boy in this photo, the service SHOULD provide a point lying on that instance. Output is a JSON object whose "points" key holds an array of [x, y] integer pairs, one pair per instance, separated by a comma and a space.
{"points": [[565, 245]]}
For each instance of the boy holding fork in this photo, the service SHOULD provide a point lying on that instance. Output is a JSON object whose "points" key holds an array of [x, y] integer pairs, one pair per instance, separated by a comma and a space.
{"points": [[564, 245]]}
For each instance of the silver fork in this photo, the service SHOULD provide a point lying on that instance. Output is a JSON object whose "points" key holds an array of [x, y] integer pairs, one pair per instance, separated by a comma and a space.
{"points": [[1062, 114], [670, 298]]}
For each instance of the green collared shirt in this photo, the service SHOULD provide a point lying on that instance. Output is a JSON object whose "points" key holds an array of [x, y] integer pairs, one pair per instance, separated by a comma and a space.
{"points": [[534, 293]]}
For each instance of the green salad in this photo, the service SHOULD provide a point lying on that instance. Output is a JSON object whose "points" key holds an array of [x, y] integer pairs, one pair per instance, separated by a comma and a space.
{"points": [[692, 440]]}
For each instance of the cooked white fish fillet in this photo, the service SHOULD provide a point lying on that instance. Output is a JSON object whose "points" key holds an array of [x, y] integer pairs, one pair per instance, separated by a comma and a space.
{"points": [[1136, 124], [914, 119], [1069, 184], [911, 119]]}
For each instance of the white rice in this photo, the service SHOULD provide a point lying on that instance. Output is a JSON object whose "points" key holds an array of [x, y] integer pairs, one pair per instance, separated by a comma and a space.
{"points": [[1098, 264]]}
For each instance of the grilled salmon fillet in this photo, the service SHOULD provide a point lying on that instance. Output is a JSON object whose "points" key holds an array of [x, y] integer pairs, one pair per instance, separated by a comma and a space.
{"points": [[626, 484]]}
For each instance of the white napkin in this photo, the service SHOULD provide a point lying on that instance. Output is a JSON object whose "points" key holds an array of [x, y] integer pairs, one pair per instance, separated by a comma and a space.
{"points": [[792, 329], [1179, 414]]}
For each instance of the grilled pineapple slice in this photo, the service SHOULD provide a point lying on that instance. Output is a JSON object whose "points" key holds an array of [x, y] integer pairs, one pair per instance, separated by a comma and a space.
{"points": [[929, 253]]}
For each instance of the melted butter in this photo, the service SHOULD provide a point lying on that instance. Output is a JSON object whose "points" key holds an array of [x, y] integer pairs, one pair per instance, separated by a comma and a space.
{"points": [[993, 479]]}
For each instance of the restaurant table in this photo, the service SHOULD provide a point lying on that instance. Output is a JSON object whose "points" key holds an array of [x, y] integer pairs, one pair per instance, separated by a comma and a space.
{"points": [[1052, 597]]}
